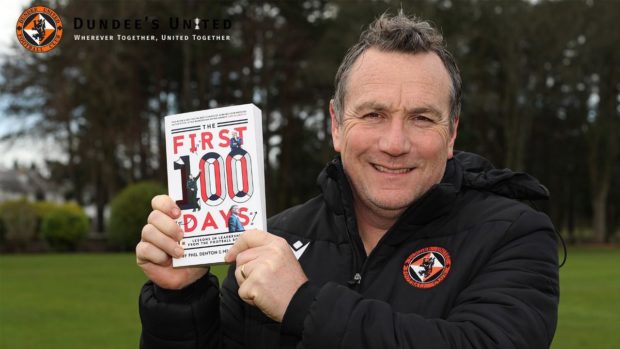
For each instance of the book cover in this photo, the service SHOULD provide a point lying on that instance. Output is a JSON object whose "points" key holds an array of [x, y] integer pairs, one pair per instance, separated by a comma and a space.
{"points": [[216, 176]]}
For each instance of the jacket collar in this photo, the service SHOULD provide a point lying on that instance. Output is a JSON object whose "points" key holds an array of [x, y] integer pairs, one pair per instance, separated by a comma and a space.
{"points": [[435, 203], [464, 170]]}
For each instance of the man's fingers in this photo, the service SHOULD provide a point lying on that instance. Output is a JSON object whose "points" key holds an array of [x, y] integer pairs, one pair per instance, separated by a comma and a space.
{"points": [[173, 279], [165, 224], [247, 292], [252, 254], [243, 272], [249, 239], [160, 240], [147, 253], [165, 204]]}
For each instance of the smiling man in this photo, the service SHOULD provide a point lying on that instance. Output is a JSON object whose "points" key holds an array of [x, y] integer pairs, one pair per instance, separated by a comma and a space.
{"points": [[410, 245], [394, 134]]}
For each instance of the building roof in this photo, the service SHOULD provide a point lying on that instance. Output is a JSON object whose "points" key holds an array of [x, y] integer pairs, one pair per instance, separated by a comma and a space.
{"points": [[24, 183]]}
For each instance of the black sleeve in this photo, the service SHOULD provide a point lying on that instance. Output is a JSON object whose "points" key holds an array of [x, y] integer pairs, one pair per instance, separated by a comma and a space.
{"points": [[187, 318], [198, 316], [232, 312], [511, 303]]}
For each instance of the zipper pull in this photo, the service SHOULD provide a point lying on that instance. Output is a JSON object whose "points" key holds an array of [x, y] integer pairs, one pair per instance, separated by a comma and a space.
{"points": [[357, 279]]}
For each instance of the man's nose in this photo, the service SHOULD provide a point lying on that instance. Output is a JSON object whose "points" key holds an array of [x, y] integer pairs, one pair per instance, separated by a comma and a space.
{"points": [[395, 138]]}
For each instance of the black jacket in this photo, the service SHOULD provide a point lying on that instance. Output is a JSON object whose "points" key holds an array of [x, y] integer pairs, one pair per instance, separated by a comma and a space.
{"points": [[466, 266]]}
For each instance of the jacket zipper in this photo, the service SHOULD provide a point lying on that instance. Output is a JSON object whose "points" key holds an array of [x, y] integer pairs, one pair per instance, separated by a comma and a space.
{"points": [[359, 275], [357, 246], [359, 272], [357, 252]]}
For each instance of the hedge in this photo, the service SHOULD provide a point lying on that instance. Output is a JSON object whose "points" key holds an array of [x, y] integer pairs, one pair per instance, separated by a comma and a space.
{"points": [[19, 218], [65, 226], [128, 213]]}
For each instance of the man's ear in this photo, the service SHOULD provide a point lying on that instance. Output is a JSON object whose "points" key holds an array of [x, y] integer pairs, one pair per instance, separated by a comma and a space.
{"points": [[453, 138], [335, 127]]}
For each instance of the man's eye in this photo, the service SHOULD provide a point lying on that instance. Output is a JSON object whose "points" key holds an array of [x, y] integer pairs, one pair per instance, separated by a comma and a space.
{"points": [[422, 118], [372, 116]]}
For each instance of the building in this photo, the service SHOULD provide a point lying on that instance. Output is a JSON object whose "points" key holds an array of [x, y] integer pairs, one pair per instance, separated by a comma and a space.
{"points": [[26, 183]]}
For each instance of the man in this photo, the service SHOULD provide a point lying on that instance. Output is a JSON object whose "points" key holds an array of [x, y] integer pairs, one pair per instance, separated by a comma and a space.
{"points": [[192, 192], [408, 246], [234, 223], [235, 142]]}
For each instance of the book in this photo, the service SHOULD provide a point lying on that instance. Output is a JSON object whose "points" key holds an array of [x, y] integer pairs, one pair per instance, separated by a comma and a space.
{"points": [[216, 176]]}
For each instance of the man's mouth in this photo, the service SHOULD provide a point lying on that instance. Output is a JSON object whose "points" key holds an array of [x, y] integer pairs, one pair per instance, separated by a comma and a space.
{"points": [[392, 170]]}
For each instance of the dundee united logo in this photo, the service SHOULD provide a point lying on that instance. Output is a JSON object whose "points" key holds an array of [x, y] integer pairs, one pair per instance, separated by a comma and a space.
{"points": [[39, 29], [427, 267]]}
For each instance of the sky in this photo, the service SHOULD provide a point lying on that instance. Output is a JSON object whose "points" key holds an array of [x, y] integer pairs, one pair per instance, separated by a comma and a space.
{"points": [[8, 18], [25, 151]]}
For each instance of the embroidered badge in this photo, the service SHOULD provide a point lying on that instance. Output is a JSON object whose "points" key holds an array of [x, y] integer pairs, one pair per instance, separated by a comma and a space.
{"points": [[427, 267]]}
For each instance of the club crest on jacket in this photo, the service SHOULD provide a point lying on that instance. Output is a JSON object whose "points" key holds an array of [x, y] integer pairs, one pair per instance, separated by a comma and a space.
{"points": [[427, 267]]}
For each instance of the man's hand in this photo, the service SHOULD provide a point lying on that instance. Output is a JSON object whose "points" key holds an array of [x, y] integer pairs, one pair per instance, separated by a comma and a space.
{"points": [[159, 244], [267, 272]]}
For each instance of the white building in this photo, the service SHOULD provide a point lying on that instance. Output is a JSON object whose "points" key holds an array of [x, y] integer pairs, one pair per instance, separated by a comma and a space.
{"points": [[28, 184]]}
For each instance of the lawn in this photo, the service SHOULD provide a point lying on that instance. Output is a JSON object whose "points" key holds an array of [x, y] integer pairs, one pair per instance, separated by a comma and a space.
{"points": [[589, 300], [90, 301], [69, 301]]}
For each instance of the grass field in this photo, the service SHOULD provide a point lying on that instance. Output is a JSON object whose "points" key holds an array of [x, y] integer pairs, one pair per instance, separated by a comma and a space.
{"points": [[90, 301], [589, 300]]}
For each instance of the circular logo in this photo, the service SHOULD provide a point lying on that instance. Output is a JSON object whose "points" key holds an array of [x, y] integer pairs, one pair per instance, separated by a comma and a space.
{"points": [[39, 29], [427, 267]]}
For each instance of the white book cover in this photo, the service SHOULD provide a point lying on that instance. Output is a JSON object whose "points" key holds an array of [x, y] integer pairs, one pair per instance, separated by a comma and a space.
{"points": [[216, 176]]}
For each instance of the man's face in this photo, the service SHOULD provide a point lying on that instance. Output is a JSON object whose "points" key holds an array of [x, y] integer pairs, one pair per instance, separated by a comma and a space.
{"points": [[395, 137]]}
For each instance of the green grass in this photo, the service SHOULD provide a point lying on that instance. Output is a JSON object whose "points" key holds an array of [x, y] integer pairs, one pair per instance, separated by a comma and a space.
{"points": [[70, 301], [90, 300], [589, 300]]}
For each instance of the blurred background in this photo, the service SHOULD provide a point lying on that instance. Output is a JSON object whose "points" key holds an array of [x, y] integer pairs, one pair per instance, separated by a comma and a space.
{"points": [[82, 152]]}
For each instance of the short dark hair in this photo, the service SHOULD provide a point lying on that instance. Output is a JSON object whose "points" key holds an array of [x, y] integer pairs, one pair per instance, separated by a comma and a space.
{"points": [[399, 33]]}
